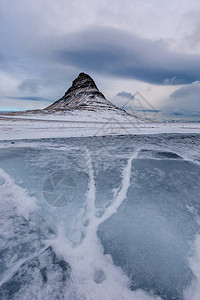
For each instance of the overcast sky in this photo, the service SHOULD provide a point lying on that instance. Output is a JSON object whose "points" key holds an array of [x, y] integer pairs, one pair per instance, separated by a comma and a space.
{"points": [[146, 46]]}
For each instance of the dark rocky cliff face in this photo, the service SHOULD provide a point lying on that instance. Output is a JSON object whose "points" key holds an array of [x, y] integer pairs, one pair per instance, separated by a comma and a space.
{"points": [[83, 84], [83, 94]]}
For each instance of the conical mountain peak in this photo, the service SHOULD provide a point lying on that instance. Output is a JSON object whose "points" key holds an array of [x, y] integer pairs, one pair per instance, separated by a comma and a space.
{"points": [[84, 81], [84, 95]]}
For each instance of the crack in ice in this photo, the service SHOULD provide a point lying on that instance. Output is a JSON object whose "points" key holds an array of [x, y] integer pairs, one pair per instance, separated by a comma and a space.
{"points": [[121, 195]]}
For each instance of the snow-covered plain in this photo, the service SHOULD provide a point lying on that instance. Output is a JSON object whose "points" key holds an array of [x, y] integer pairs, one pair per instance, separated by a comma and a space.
{"points": [[84, 123]]}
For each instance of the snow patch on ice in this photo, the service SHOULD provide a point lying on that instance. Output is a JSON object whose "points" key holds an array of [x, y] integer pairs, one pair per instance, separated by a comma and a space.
{"points": [[10, 192]]}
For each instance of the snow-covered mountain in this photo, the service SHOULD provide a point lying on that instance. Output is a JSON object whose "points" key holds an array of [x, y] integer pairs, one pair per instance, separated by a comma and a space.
{"points": [[83, 98], [83, 95], [82, 102]]}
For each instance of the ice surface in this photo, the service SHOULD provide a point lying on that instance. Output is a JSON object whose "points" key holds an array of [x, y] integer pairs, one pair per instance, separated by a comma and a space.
{"points": [[100, 218], [151, 234]]}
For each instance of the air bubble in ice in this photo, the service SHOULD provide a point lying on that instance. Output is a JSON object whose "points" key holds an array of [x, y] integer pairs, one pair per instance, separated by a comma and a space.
{"points": [[99, 276], [99, 213]]}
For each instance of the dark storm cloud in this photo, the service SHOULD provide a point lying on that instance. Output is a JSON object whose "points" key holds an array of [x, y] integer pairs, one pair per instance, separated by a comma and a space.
{"points": [[29, 98], [124, 94], [117, 53], [100, 50]]}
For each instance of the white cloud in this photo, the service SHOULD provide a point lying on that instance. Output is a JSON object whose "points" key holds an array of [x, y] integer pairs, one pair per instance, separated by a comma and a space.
{"points": [[186, 99]]}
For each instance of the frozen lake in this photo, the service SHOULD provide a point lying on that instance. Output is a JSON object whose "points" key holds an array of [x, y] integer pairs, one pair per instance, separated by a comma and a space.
{"points": [[100, 218]]}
